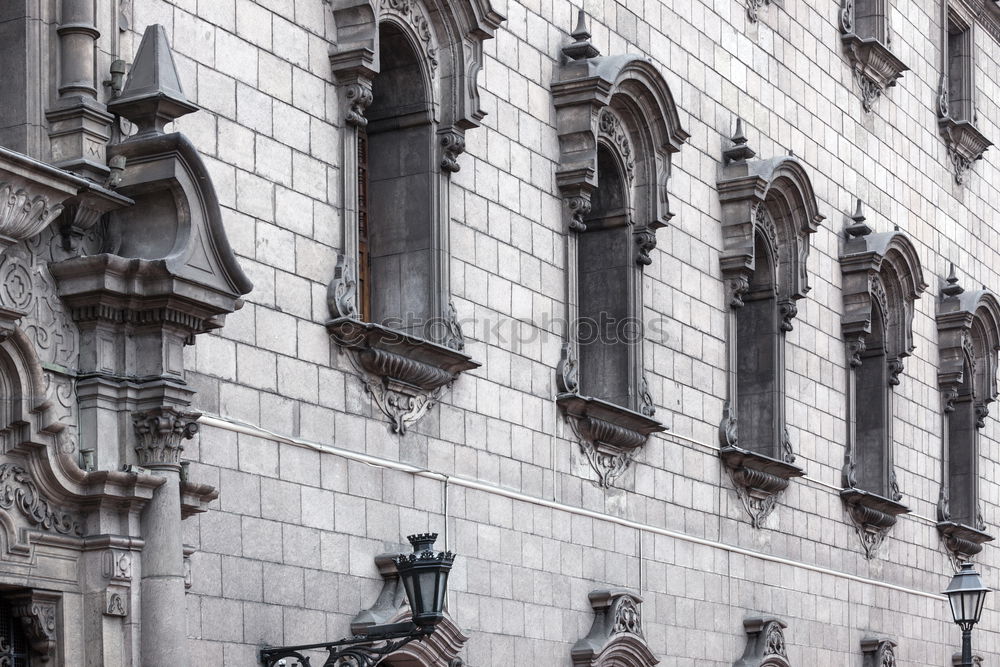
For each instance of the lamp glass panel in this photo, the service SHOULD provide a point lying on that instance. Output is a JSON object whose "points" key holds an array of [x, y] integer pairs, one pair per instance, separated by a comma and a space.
{"points": [[428, 582]]}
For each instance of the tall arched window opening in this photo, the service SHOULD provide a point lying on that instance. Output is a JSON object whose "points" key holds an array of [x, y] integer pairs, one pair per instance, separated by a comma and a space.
{"points": [[882, 277], [968, 339], [769, 211]]}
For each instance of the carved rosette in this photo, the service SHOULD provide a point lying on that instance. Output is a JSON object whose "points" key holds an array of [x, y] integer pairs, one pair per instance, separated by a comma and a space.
{"points": [[878, 652], [403, 374], [758, 480], [616, 635], [873, 517], [765, 643], [160, 433], [609, 435]]}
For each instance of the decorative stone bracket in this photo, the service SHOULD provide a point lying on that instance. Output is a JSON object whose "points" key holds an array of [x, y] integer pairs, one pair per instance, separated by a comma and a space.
{"points": [[37, 612], [963, 542], [616, 636], [765, 643], [758, 479], [610, 435], [878, 652], [874, 66], [965, 144], [403, 374], [873, 517]]}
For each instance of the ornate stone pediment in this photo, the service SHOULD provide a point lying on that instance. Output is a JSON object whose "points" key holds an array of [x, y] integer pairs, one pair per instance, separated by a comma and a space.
{"points": [[965, 144], [609, 434], [765, 643], [405, 375], [616, 636], [873, 516], [758, 479], [878, 652]]}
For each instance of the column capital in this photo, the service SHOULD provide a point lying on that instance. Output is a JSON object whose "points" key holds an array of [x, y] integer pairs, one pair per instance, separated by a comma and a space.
{"points": [[160, 433]]}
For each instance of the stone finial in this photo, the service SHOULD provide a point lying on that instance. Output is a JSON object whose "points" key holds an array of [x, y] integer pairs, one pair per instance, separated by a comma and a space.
{"points": [[952, 288], [159, 435], [739, 150], [152, 96], [858, 226], [580, 48]]}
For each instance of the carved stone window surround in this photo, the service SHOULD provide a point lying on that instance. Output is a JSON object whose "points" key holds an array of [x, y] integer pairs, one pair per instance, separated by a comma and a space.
{"points": [[616, 636], [765, 645], [882, 277], [617, 112], [769, 203], [448, 37], [968, 325]]}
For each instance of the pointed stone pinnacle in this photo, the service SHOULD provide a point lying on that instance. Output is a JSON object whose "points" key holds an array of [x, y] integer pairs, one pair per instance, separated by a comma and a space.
{"points": [[858, 227], [580, 48], [152, 96], [739, 150], [952, 288]]}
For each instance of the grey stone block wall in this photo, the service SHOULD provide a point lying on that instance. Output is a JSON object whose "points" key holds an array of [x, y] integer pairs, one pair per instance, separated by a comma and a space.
{"points": [[286, 553]]}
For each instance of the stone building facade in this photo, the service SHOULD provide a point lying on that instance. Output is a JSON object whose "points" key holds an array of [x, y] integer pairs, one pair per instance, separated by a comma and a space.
{"points": [[675, 320]]}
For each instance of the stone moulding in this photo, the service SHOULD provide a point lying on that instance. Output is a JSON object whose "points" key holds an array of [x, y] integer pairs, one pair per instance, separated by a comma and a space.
{"points": [[609, 435], [878, 652], [874, 66], [765, 643], [403, 374], [963, 542], [965, 144], [758, 479], [873, 516], [616, 635], [32, 195]]}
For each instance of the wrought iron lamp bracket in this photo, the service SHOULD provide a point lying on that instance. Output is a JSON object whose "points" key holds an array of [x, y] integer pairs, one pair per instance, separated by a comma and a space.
{"points": [[358, 651]]}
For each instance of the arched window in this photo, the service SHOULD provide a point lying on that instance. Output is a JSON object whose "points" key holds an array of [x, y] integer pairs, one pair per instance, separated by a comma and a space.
{"points": [[882, 278], [406, 73], [618, 127], [968, 338], [616, 636], [769, 211]]}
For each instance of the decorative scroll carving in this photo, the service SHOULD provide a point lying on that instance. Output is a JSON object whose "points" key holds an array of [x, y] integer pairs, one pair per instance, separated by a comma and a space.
{"points": [[359, 97], [873, 516], [609, 434], [754, 7], [18, 490], [342, 294], [579, 208], [616, 636], [452, 145], [454, 338], [729, 427], [765, 643], [646, 405], [403, 374], [568, 372], [115, 604], [736, 287], [413, 13], [878, 652], [855, 348], [612, 129], [758, 480], [160, 433], [36, 610], [646, 240], [965, 144], [874, 66], [116, 565]]}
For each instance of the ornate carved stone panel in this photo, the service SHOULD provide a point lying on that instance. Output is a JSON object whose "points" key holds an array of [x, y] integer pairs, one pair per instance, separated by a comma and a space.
{"points": [[765, 643], [20, 494], [37, 611], [878, 652], [616, 636]]}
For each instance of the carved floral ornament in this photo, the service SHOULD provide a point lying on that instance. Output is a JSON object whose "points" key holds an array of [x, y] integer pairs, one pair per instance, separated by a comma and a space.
{"points": [[616, 636], [765, 645]]}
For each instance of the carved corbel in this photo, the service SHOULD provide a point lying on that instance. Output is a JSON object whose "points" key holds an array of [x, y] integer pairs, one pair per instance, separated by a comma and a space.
{"points": [[82, 212], [37, 612], [758, 479], [765, 643], [616, 632], [354, 72], [878, 652], [873, 517], [452, 145], [160, 433]]}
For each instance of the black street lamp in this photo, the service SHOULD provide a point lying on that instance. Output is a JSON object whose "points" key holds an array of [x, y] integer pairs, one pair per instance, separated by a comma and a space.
{"points": [[966, 593], [424, 574]]}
